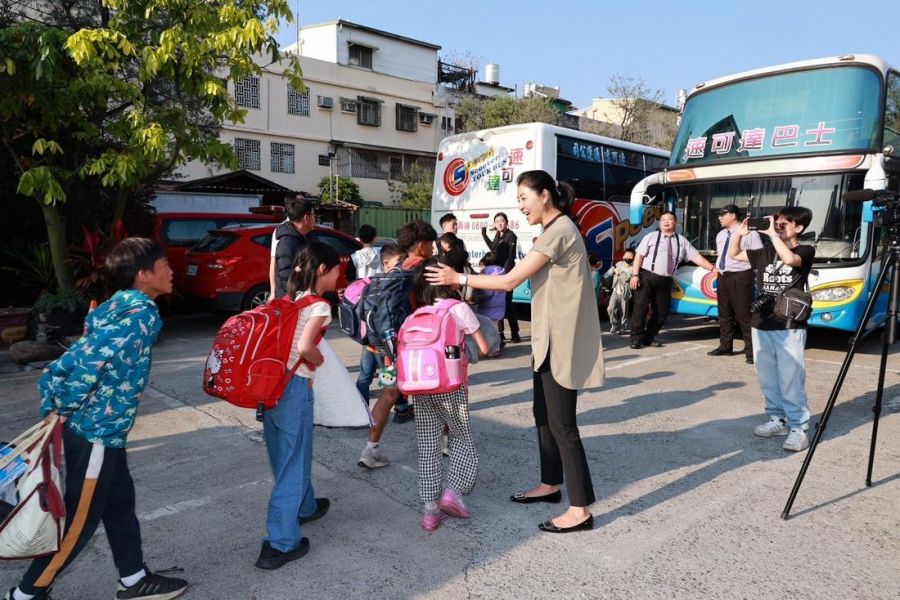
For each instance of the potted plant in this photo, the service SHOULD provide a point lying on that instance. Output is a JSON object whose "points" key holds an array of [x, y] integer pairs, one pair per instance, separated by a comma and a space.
{"points": [[63, 311]]}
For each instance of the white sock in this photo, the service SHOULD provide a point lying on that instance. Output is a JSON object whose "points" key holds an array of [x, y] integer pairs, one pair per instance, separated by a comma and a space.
{"points": [[20, 595], [431, 507], [133, 579], [372, 445]]}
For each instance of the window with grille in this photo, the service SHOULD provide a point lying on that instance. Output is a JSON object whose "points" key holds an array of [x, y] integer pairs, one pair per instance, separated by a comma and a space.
{"points": [[360, 56], [246, 92], [374, 164], [369, 112], [447, 123], [282, 158], [298, 103], [247, 152], [407, 118], [324, 160]]}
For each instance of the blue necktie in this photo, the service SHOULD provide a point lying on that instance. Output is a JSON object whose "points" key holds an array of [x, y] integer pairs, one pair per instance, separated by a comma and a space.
{"points": [[725, 251]]}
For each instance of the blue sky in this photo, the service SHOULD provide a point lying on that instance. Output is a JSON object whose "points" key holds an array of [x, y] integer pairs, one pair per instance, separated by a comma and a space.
{"points": [[578, 44]]}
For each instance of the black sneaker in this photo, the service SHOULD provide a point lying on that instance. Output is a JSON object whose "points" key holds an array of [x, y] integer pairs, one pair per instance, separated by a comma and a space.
{"points": [[322, 506], [515, 339], [403, 416], [270, 558], [152, 587]]}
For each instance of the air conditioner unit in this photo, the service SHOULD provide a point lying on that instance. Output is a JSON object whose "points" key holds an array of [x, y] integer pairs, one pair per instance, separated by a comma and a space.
{"points": [[325, 102], [426, 119]]}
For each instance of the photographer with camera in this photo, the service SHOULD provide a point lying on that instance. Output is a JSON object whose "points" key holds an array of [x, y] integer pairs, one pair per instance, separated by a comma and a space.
{"points": [[778, 343]]}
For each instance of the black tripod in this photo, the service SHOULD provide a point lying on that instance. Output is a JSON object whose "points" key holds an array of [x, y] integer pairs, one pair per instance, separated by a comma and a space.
{"points": [[890, 260]]}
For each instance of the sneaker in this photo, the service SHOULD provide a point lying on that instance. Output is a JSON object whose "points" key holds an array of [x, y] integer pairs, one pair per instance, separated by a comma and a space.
{"points": [[452, 504], [373, 458], [431, 520], [270, 558], [796, 440], [614, 329], [445, 445], [774, 426], [152, 587], [404, 416], [45, 595], [322, 506]]}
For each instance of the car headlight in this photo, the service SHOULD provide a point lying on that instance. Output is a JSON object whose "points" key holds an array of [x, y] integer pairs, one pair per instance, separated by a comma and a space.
{"points": [[833, 294]]}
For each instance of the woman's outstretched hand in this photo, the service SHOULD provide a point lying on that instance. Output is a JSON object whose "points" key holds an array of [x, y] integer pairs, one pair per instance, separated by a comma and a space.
{"points": [[441, 275]]}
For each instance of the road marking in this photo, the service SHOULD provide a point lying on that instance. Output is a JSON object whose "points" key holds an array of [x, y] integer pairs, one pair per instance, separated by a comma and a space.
{"points": [[643, 359], [174, 509]]}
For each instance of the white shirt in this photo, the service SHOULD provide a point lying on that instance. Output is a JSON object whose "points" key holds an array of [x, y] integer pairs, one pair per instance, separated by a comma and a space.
{"points": [[318, 309]]}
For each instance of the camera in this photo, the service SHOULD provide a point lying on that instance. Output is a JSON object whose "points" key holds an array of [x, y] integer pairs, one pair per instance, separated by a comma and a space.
{"points": [[762, 303], [760, 224]]}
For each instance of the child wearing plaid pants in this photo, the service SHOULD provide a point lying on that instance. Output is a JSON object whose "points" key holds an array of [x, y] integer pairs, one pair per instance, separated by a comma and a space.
{"points": [[437, 412]]}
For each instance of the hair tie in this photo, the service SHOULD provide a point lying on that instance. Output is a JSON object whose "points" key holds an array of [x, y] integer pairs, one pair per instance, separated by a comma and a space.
{"points": [[297, 269]]}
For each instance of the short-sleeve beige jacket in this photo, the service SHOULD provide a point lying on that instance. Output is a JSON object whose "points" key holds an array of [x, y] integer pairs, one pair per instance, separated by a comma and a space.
{"points": [[564, 318]]}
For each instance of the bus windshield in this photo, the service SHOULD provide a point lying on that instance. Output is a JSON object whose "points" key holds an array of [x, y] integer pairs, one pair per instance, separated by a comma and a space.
{"points": [[836, 230], [834, 109]]}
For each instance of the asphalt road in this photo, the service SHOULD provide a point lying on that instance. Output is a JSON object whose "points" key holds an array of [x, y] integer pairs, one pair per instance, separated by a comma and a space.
{"points": [[689, 500]]}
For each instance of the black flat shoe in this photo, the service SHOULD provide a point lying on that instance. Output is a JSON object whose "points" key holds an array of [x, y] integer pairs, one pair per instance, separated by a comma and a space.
{"points": [[749, 360], [585, 525], [521, 498], [322, 506], [719, 352]]}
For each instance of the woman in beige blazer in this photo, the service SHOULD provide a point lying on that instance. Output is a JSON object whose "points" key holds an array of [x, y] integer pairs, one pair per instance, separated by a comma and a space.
{"points": [[565, 341]]}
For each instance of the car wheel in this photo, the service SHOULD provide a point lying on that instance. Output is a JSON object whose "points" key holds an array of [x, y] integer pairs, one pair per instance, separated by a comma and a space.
{"points": [[255, 297]]}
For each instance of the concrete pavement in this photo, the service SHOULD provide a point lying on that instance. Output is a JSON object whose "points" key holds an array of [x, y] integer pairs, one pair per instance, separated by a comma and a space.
{"points": [[689, 499]]}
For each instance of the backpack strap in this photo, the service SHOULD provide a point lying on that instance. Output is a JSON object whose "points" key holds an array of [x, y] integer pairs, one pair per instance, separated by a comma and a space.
{"points": [[302, 303]]}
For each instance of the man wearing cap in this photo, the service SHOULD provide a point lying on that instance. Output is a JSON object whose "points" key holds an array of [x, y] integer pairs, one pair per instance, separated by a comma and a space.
{"points": [[734, 286]]}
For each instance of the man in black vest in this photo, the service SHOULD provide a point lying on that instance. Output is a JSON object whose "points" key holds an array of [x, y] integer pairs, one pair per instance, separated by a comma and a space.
{"points": [[289, 239]]}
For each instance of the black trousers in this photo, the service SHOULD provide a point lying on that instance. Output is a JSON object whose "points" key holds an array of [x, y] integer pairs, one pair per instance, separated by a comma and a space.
{"points": [[510, 316], [562, 453], [735, 291], [98, 488], [656, 291]]}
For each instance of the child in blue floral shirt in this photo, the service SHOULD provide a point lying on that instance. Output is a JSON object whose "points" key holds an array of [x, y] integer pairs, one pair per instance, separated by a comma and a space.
{"points": [[95, 388]]}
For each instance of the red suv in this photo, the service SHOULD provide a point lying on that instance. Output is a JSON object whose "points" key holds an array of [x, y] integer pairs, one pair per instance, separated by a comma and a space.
{"points": [[177, 232], [230, 266]]}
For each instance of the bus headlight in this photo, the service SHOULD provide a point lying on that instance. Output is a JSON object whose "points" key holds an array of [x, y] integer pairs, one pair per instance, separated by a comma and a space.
{"points": [[834, 294]]}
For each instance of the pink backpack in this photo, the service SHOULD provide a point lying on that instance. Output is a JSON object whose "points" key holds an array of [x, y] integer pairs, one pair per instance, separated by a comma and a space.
{"points": [[422, 364]]}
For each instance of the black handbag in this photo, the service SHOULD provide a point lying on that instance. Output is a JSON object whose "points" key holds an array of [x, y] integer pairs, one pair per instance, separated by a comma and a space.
{"points": [[793, 305]]}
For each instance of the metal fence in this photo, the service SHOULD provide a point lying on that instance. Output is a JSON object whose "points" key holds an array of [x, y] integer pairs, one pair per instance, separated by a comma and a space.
{"points": [[388, 221]]}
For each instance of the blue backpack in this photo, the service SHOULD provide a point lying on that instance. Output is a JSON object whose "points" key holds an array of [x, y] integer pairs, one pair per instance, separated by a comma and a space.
{"points": [[385, 304]]}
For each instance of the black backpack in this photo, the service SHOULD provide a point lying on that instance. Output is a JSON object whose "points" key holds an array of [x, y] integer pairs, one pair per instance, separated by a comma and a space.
{"points": [[385, 304]]}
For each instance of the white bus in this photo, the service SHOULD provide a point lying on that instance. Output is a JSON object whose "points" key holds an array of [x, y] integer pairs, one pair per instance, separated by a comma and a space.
{"points": [[800, 134], [475, 178]]}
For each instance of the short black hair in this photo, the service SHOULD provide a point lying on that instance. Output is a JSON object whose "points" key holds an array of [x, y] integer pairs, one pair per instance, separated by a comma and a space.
{"points": [[297, 209], [446, 218], [489, 259], [389, 251], [367, 234], [416, 231], [128, 258], [668, 212], [798, 215], [593, 259]]}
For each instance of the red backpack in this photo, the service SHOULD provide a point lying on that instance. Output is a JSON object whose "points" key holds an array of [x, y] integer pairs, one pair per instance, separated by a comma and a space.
{"points": [[247, 365]]}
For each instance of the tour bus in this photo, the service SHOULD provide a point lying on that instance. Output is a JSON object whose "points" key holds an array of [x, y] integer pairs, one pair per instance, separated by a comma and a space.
{"points": [[800, 134], [475, 178]]}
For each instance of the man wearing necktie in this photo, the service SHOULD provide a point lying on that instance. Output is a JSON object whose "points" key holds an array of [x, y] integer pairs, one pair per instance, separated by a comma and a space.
{"points": [[656, 259], [734, 286]]}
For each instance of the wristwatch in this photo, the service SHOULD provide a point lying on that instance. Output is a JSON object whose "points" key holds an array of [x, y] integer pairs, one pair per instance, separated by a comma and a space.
{"points": [[462, 280]]}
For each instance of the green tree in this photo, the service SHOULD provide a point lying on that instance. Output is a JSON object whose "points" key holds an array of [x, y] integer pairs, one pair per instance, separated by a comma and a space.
{"points": [[347, 190], [418, 182], [476, 113], [122, 92]]}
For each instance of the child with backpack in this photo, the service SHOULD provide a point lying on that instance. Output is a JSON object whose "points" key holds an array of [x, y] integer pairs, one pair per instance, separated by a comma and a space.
{"points": [[370, 360], [288, 426], [95, 388], [492, 303], [447, 406]]}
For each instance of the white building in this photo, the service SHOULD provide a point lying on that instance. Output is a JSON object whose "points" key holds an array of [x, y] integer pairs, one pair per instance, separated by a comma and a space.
{"points": [[369, 112]]}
